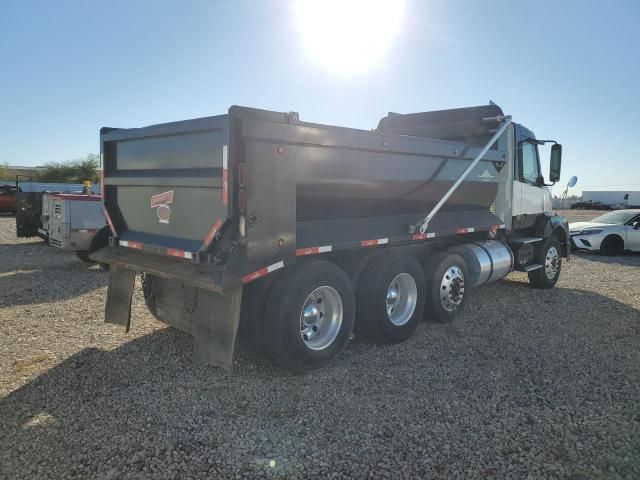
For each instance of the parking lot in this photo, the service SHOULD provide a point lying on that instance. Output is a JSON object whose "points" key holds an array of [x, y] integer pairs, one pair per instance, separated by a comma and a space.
{"points": [[525, 384]]}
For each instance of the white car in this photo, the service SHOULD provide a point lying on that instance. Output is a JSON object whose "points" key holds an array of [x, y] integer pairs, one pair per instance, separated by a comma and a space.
{"points": [[611, 233]]}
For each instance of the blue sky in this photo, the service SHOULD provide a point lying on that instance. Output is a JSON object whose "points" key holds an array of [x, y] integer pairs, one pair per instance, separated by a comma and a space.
{"points": [[566, 69]]}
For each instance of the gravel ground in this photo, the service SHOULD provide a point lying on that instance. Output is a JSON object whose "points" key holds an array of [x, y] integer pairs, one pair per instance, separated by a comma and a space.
{"points": [[525, 384]]}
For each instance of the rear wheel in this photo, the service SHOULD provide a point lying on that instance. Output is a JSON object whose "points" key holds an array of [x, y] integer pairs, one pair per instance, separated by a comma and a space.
{"points": [[309, 316], [612, 245], [446, 275], [390, 298], [547, 255]]}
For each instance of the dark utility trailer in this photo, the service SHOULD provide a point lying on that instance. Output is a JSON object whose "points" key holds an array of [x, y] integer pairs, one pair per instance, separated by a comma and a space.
{"points": [[28, 211], [296, 234]]}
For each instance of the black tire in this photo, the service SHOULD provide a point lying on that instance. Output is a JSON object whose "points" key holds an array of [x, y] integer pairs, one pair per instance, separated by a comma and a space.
{"points": [[254, 302], [539, 278], [148, 292], [436, 269], [373, 319], [100, 240], [612, 245], [282, 321], [84, 256]]}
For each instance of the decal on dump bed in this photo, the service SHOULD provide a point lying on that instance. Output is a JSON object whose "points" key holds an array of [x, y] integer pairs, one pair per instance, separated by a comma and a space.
{"points": [[162, 199], [161, 202], [486, 176]]}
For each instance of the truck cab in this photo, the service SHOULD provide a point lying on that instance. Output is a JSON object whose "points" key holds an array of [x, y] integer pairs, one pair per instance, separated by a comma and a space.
{"points": [[530, 194]]}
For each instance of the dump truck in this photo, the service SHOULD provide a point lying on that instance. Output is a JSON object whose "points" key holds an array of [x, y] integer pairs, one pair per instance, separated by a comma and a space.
{"points": [[296, 236]]}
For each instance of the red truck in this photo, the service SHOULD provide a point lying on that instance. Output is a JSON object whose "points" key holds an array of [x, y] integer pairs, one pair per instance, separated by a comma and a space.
{"points": [[8, 198]]}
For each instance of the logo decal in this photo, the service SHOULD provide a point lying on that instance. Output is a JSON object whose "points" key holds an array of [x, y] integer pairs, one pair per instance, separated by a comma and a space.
{"points": [[161, 202], [486, 176], [499, 165]]}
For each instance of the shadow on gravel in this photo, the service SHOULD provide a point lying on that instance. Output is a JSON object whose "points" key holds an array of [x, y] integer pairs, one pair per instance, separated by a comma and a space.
{"points": [[529, 382], [44, 286], [19, 248], [27, 278], [112, 405], [631, 259]]}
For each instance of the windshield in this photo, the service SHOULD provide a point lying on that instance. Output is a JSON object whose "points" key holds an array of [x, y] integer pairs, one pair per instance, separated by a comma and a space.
{"points": [[614, 217]]}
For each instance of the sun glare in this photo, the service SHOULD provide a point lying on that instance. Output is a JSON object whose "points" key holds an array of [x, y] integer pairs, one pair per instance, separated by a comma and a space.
{"points": [[348, 36]]}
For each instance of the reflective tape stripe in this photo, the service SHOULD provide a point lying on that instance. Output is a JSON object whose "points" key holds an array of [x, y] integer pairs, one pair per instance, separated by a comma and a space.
{"points": [[465, 230], [498, 227], [109, 222], [313, 250], [369, 243], [275, 266], [423, 236], [130, 244], [262, 272], [254, 276], [211, 235], [225, 175], [174, 252]]}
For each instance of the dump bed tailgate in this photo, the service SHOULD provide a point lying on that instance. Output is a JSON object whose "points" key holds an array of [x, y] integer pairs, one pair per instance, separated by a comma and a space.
{"points": [[166, 185]]}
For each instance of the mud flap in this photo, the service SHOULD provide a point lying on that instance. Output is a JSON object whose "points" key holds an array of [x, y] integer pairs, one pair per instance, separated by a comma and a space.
{"points": [[215, 326], [119, 293]]}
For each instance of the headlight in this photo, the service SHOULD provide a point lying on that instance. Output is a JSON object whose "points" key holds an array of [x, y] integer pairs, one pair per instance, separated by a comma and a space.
{"points": [[586, 232]]}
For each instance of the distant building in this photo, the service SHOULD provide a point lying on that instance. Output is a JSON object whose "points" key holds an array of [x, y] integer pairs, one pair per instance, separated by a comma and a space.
{"points": [[612, 197]]}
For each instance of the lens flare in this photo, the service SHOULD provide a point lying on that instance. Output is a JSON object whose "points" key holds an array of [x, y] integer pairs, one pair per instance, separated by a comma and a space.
{"points": [[348, 36]]}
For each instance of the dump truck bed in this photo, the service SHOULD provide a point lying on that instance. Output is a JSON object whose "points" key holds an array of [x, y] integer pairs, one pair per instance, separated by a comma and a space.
{"points": [[227, 199]]}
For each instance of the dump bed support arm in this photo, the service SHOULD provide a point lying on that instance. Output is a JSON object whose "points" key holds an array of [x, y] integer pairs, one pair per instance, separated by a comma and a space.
{"points": [[422, 225]]}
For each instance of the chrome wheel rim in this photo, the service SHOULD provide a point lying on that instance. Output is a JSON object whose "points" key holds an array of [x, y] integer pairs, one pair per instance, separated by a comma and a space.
{"points": [[321, 318], [552, 263], [402, 296], [452, 288]]}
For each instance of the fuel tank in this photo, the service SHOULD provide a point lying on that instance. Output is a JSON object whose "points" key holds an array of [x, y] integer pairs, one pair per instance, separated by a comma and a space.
{"points": [[487, 261]]}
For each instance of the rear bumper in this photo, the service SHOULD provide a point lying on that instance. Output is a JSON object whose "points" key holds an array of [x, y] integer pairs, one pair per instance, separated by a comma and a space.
{"points": [[206, 277]]}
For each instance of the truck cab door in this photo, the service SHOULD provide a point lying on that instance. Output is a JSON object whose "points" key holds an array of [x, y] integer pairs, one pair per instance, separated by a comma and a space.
{"points": [[527, 189]]}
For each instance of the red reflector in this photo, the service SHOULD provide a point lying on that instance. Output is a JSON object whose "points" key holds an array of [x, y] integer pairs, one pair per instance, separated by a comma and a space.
{"points": [[241, 175], [242, 200]]}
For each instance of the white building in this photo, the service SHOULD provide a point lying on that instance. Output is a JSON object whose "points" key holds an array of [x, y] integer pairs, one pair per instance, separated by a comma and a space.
{"points": [[611, 197]]}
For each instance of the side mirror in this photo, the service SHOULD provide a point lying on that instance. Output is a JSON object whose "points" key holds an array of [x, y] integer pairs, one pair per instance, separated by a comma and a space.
{"points": [[555, 163]]}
